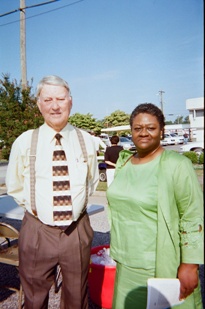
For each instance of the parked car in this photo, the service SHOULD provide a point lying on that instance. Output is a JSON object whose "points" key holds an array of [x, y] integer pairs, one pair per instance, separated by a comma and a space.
{"points": [[170, 140], [178, 138], [164, 142], [129, 137], [126, 143], [197, 147]]}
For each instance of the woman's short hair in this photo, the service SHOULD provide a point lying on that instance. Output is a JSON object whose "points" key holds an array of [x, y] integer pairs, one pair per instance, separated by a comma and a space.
{"points": [[114, 139], [148, 108], [51, 80]]}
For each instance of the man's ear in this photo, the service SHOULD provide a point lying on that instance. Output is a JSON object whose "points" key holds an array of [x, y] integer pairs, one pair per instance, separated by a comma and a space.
{"points": [[39, 105], [71, 101]]}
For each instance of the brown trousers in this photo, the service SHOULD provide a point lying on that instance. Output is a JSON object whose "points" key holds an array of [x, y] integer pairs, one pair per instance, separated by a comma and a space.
{"points": [[41, 248]]}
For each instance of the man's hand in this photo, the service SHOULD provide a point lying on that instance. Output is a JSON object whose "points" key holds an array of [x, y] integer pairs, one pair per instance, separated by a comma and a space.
{"points": [[188, 277]]}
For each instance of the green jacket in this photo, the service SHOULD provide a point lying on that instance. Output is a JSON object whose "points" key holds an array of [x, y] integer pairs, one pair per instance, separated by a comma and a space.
{"points": [[180, 213]]}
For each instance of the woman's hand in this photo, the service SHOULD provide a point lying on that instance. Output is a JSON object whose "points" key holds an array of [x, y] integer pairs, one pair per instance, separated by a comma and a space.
{"points": [[188, 277]]}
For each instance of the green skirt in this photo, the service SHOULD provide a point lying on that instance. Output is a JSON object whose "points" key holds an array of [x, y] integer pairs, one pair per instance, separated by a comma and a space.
{"points": [[130, 290]]}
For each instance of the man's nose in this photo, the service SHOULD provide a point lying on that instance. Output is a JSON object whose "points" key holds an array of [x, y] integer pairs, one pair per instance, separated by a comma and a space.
{"points": [[55, 104]]}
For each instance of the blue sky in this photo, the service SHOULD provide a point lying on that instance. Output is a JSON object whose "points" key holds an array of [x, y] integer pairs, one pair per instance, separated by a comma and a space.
{"points": [[114, 54]]}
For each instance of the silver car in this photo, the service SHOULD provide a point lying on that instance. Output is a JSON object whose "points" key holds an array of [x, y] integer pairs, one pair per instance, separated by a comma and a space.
{"points": [[126, 143], [179, 138]]}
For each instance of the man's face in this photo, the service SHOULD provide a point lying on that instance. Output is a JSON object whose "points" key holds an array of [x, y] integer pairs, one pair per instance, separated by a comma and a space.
{"points": [[55, 105]]}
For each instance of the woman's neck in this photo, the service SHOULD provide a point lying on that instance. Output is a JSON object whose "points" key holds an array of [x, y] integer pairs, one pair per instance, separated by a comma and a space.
{"points": [[139, 157]]}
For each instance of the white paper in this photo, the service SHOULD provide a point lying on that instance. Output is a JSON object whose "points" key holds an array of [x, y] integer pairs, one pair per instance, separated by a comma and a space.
{"points": [[163, 293]]}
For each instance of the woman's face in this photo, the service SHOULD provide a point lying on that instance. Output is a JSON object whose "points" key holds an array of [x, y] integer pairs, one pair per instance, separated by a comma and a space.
{"points": [[146, 133]]}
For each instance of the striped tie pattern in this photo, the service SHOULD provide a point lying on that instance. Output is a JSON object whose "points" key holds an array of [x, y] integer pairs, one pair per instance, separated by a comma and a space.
{"points": [[62, 203]]}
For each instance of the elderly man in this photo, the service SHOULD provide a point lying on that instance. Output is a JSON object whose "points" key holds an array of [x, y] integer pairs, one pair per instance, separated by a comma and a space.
{"points": [[51, 172]]}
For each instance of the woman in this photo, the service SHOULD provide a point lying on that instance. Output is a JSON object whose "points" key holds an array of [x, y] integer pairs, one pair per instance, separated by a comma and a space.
{"points": [[155, 204], [111, 156]]}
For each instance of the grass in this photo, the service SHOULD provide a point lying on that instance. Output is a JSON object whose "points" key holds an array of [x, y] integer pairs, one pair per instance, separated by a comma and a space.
{"points": [[199, 172], [102, 186]]}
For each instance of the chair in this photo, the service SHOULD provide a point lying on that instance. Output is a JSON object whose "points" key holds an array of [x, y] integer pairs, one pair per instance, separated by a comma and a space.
{"points": [[9, 252]]}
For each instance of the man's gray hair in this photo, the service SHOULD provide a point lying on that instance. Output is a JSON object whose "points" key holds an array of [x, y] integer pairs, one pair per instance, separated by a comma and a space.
{"points": [[51, 80]]}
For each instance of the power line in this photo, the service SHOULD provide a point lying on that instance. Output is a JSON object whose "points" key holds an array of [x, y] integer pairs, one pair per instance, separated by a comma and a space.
{"points": [[2, 15], [22, 20], [27, 7], [15, 21]]}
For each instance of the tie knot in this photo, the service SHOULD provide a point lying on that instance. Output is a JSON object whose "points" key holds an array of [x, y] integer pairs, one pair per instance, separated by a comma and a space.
{"points": [[58, 138]]}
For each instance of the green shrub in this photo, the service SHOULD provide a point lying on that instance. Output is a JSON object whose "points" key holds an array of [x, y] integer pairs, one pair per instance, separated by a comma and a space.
{"points": [[201, 158], [192, 156]]}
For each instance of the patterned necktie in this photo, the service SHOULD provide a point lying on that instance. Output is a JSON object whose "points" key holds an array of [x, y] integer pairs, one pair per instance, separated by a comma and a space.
{"points": [[62, 203]]}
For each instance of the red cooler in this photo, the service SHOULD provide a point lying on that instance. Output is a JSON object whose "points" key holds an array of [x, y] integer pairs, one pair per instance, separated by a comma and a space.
{"points": [[101, 280]]}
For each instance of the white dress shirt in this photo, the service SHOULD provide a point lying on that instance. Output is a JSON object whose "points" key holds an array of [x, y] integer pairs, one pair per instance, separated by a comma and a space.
{"points": [[98, 142], [18, 172]]}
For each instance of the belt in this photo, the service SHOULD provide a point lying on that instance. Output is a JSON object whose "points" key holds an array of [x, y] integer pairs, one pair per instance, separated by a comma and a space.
{"points": [[63, 227]]}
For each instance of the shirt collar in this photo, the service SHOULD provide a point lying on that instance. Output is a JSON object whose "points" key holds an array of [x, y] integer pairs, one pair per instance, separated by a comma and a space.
{"points": [[50, 132]]}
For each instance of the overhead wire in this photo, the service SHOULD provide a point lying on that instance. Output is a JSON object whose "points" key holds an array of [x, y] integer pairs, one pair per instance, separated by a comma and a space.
{"points": [[59, 8], [28, 7]]}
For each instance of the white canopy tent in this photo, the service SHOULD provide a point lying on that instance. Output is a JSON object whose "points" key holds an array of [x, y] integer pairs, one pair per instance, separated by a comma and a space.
{"points": [[168, 128], [118, 128]]}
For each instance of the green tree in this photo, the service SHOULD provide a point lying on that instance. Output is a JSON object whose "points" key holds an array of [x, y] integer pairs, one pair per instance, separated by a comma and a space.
{"points": [[168, 122], [178, 120], [186, 120], [99, 126], [86, 122], [18, 113], [117, 118]]}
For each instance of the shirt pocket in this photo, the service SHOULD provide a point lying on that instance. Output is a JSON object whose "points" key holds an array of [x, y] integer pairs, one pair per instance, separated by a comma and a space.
{"points": [[78, 173]]}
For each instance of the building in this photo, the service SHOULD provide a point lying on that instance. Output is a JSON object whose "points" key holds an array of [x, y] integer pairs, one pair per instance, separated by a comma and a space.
{"points": [[195, 107], [180, 129]]}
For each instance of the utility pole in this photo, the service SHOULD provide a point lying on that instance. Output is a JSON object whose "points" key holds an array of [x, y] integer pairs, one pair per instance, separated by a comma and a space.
{"points": [[23, 43], [161, 100], [22, 10]]}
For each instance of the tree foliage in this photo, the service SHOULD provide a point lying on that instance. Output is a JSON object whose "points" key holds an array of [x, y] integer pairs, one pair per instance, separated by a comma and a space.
{"points": [[117, 118], [86, 122], [18, 113], [178, 120], [186, 119]]}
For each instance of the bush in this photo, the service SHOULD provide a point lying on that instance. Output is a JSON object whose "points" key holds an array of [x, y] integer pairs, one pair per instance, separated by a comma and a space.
{"points": [[18, 113], [201, 158], [192, 156]]}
